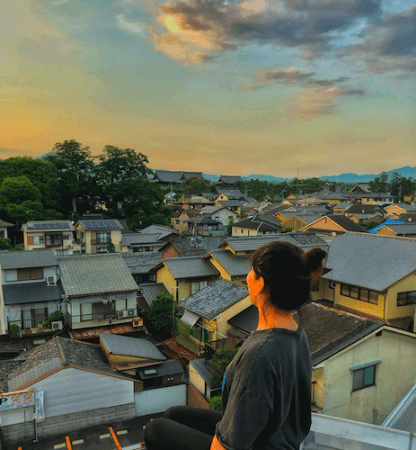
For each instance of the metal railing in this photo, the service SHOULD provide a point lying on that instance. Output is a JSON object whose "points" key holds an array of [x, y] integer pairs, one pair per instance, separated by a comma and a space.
{"points": [[24, 325], [104, 318]]}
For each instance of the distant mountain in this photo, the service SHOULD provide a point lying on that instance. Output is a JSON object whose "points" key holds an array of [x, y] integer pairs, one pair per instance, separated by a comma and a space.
{"points": [[405, 171]]}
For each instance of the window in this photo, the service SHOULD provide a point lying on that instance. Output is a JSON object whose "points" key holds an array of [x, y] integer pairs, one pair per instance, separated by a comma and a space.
{"points": [[102, 250], [38, 239], [103, 237], [365, 295], [406, 298], [2, 234], [364, 375], [196, 286], [34, 273]]}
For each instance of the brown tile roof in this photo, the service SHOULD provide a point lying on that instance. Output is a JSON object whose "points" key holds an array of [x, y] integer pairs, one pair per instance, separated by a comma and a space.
{"points": [[172, 347]]}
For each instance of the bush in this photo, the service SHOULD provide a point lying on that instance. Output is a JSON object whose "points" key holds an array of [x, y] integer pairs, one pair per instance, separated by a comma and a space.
{"points": [[216, 403], [14, 329]]}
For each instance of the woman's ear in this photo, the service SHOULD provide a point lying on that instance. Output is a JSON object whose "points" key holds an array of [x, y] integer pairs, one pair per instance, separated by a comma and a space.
{"points": [[259, 285]]}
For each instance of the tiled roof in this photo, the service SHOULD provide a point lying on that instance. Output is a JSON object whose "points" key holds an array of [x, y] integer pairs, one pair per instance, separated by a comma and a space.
{"points": [[162, 230], [307, 218], [53, 356], [364, 209], [403, 228], [150, 290], [233, 264], [257, 224], [408, 217], [231, 192], [205, 370], [203, 220], [9, 365], [328, 330], [3, 223], [230, 203], [229, 179], [346, 223], [95, 274], [190, 267], [386, 222], [24, 259], [139, 238], [215, 298], [370, 261], [141, 263], [20, 293], [130, 346], [167, 176], [198, 245]]}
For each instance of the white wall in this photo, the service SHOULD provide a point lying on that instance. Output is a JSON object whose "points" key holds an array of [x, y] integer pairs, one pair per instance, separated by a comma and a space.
{"points": [[158, 400]]}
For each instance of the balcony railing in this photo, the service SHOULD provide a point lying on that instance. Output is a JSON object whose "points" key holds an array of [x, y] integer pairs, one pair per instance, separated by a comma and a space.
{"points": [[32, 326], [100, 241], [100, 318], [53, 242]]}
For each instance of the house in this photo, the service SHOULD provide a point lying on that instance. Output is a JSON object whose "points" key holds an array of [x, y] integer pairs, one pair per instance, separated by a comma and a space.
{"points": [[411, 197], [231, 267], [296, 221], [370, 210], [256, 225], [206, 316], [230, 193], [140, 265], [30, 291], [407, 217], [361, 187], [399, 208], [372, 275], [361, 368], [376, 198], [386, 222], [189, 246], [3, 228], [148, 292], [99, 290], [201, 386], [165, 178], [95, 390], [204, 225], [221, 214], [95, 236], [333, 224], [341, 208], [398, 229], [228, 180], [185, 275], [232, 205], [180, 223], [55, 234], [247, 245], [150, 239]]}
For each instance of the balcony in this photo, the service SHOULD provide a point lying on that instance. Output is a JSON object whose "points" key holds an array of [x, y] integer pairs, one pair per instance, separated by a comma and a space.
{"points": [[53, 242], [100, 241], [100, 318], [25, 327]]}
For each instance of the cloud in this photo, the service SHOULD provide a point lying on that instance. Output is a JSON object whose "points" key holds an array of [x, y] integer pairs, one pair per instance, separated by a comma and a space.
{"points": [[313, 102], [390, 45], [194, 31], [135, 28]]}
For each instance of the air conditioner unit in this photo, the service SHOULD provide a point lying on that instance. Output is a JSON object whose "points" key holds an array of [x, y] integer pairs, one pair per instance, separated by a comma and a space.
{"points": [[131, 312], [121, 314], [137, 322], [57, 325], [51, 280]]}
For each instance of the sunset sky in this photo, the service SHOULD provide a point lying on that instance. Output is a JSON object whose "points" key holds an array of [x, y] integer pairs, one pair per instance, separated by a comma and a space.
{"points": [[226, 87]]}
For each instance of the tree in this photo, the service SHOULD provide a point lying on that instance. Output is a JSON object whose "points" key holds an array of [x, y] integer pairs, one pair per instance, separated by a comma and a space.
{"points": [[42, 174], [160, 315], [230, 227], [216, 403], [220, 360], [75, 166], [380, 183]]}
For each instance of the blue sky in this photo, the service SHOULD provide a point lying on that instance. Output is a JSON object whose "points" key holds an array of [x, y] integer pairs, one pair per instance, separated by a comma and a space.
{"points": [[233, 87]]}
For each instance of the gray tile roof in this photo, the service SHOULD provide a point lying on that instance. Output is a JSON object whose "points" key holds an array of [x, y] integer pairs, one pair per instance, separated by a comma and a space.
{"points": [[55, 355], [95, 274], [138, 238], [3, 223], [251, 243], [198, 245], [190, 267], [403, 228], [215, 298], [167, 176], [364, 209], [150, 290], [130, 346], [235, 265], [9, 365], [307, 218], [369, 260], [205, 370], [408, 217], [24, 259], [230, 203], [258, 224], [21, 293], [229, 179], [162, 230], [231, 192], [328, 330], [165, 368], [141, 263]]}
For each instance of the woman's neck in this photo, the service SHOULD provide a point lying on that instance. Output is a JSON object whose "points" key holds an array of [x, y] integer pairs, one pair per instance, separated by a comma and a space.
{"points": [[276, 318]]}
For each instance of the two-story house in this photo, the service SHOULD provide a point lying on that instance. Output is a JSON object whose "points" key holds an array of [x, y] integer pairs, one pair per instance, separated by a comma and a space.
{"points": [[30, 290], [95, 236], [99, 290], [257, 225], [57, 235]]}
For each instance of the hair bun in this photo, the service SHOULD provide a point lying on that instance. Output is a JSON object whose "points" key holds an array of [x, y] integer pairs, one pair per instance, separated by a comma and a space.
{"points": [[312, 259]]}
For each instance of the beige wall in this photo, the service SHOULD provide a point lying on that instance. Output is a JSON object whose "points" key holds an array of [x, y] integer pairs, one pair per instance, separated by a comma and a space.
{"points": [[365, 307], [395, 376], [406, 284], [222, 322], [217, 265], [164, 276], [324, 223]]}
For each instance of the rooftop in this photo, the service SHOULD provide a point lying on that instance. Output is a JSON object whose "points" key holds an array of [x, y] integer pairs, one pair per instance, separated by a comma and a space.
{"points": [[190, 267], [235, 265], [48, 225], [130, 346], [37, 292], [25, 259], [102, 224], [141, 263], [95, 274]]}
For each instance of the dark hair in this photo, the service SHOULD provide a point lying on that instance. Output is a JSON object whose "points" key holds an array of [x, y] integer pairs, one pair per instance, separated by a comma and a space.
{"points": [[287, 272]]}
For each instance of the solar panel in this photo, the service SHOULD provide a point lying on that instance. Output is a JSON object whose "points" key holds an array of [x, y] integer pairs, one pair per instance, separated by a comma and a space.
{"points": [[65, 225], [44, 226], [37, 226]]}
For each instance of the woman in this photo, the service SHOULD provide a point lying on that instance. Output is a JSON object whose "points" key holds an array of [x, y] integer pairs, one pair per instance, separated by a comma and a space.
{"points": [[267, 387]]}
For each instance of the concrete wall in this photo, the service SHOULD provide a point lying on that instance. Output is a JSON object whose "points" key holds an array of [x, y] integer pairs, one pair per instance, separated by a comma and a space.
{"points": [[66, 423], [154, 401]]}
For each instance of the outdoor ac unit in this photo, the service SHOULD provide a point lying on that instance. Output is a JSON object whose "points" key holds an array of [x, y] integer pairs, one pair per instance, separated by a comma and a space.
{"points": [[51, 280], [121, 314], [131, 312], [137, 322], [57, 325]]}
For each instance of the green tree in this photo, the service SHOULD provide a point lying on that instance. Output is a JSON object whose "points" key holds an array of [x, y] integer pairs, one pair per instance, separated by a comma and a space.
{"points": [[42, 174], [216, 403], [230, 227], [75, 166], [380, 183], [160, 315], [5, 244], [220, 360]]}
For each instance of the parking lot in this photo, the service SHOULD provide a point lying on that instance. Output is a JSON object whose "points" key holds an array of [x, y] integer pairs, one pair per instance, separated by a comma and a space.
{"points": [[127, 435]]}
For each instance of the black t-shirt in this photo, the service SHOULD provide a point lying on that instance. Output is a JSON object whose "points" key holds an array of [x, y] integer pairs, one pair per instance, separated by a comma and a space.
{"points": [[267, 392]]}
